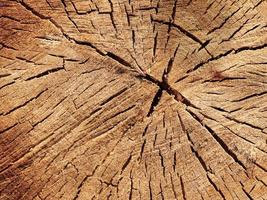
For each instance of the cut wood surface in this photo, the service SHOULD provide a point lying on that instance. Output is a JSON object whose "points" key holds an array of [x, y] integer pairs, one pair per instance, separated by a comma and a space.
{"points": [[133, 99]]}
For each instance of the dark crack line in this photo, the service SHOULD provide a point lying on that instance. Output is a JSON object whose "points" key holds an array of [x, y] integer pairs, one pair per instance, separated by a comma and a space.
{"points": [[198, 156], [194, 151], [217, 139], [243, 122], [181, 29], [259, 3], [86, 43], [7, 46], [25, 103], [83, 182], [150, 189], [251, 96], [182, 187], [76, 41], [142, 149], [127, 162], [45, 73], [155, 102], [8, 128], [234, 51], [164, 86], [112, 15], [186, 33], [216, 187], [67, 13], [224, 22], [209, 6], [173, 187], [235, 32], [169, 67], [162, 163], [155, 46], [114, 96], [209, 60], [249, 30]]}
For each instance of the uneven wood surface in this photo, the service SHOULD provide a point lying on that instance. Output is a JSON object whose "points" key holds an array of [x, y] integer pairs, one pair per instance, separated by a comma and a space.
{"points": [[133, 99]]}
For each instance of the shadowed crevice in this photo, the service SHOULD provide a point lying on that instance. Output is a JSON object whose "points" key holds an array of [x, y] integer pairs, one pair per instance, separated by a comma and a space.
{"points": [[155, 102]]}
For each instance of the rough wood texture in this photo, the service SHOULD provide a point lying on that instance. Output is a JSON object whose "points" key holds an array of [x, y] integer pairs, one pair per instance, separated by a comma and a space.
{"points": [[133, 99]]}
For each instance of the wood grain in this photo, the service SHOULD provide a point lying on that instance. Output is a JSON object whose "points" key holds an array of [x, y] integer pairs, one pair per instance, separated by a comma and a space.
{"points": [[113, 99]]}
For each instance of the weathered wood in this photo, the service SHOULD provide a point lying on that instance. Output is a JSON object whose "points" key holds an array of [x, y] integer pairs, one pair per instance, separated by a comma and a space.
{"points": [[112, 99]]}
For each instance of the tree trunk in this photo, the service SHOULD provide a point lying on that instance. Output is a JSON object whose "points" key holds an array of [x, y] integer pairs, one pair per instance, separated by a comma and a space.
{"points": [[112, 99]]}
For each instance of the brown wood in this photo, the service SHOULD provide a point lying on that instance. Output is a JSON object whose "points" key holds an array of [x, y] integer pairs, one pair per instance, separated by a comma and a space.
{"points": [[137, 99]]}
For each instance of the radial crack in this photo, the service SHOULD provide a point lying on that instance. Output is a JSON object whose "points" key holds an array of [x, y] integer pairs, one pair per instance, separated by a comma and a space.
{"points": [[218, 140], [155, 102]]}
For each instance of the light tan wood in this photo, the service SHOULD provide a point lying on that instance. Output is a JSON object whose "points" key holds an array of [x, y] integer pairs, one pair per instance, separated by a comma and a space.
{"points": [[112, 99]]}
